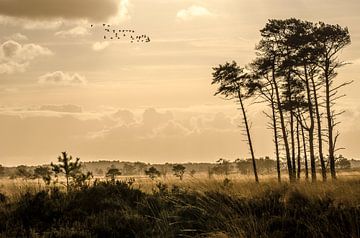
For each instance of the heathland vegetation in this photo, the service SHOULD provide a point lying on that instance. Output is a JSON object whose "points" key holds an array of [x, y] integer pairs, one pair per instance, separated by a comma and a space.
{"points": [[71, 202]]}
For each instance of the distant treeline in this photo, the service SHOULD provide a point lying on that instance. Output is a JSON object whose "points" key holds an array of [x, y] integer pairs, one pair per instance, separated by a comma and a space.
{"points": [[221, 167]]}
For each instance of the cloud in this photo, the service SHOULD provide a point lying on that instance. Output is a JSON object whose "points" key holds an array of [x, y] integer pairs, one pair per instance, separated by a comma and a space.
{"points": [[124, 116], [153, 118], [152, 135], [160, 136], [172, 128], [17, 37], [73, 32], [98, 46], [31, 24], [14, 50], [192, 12], [46, 15], [61, 108], [15, 57], [94, 10], [122, 14], [61, 78], [44, 135], [218, 121]]}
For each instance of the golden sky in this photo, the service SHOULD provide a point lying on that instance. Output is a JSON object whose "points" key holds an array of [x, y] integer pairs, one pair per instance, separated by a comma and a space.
{"points": [[62, 87]]}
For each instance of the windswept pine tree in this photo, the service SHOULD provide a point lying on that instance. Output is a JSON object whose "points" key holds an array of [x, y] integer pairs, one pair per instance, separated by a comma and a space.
{"points": [[330, 40], [234, 83]]}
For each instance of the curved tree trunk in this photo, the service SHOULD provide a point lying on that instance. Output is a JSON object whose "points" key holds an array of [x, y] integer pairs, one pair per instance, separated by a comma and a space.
{"points": [[248, 137]]}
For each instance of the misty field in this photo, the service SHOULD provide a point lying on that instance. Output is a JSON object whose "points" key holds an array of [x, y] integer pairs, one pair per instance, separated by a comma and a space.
{"points": [[232, 206]]}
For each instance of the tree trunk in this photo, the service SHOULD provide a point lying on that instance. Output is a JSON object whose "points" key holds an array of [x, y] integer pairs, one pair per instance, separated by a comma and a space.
{"points": [[305, 154], [276, 141], [329, 120], [291, 125], [249, 138], [283, 128], [298, 150], [319, 132], [311, 127], [292, 133], [67, 183]]}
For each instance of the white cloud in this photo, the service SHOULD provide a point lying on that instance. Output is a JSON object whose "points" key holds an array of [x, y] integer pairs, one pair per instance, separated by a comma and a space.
{"points": [[122, 14], [192, 12], [12, 67], [61, 78], [172, 128], [97, 46], [73, 32], [17, 37], [15, 57], [69, 108], [124, 116]]}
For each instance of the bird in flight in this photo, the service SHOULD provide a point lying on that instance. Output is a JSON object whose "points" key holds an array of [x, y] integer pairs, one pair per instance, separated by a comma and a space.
{"points": [[112, 34]]}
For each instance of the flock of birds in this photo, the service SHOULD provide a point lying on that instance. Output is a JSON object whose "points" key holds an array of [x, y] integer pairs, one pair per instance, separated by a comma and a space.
{"points": [[117, 34]]}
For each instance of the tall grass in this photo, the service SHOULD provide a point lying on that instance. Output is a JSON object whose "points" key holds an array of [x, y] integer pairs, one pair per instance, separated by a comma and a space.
{"points": [[196, 207]]}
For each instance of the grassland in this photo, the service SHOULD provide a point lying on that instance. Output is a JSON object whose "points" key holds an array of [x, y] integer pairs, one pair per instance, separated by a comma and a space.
{"points": [[194, 207]]}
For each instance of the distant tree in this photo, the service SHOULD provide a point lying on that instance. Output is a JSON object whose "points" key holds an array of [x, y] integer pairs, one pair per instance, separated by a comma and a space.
{"points": [[2, 170], [342, 163], [99, 171], [44, 173], [140, 167], [113, 172], [23, 172], [244, 166], [152, 172], [164, 170], [129, 169], [192, 172], [223, 167], [179, 170], [68, 167], [82, 180], [266, 164], [210, 172]]}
